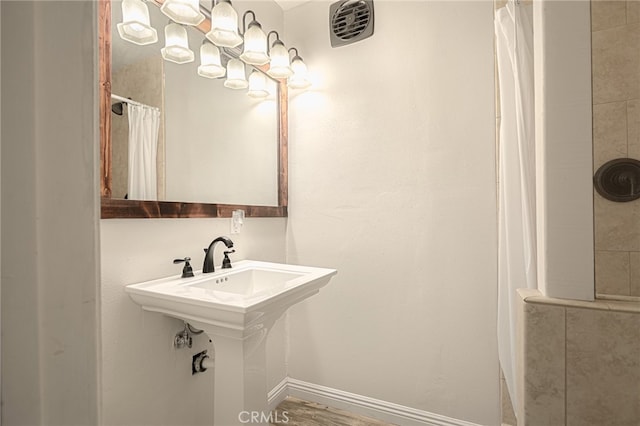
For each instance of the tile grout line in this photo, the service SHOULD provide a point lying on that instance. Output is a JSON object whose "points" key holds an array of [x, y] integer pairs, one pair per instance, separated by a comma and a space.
{"points": [[626, 124], [629, 261]]}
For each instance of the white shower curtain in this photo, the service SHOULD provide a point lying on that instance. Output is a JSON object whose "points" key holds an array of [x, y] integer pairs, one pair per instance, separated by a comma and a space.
{"points": [[517, 221], [144, 123]]}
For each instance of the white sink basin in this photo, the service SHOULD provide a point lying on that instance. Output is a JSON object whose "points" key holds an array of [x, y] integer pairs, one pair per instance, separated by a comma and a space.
{"points": [[250, 282], [236, 308], [233, 298]]}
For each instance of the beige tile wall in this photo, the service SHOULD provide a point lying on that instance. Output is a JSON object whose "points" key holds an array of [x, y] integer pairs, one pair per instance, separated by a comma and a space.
{"points": [[615, 29], [579, 363], [543, 369], [603, 367]]}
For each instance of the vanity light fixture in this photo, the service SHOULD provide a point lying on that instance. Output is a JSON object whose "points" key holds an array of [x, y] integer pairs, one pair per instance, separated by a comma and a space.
{"points": [[183, 11], [257, 85], [236, 78], [224, 25], [176, 48], [135, 26], [210, 65], [299, 79], [279, 66], [255, 41], [224, 33]]}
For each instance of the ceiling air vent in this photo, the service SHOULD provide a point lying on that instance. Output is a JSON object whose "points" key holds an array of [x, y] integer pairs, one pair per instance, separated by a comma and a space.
{"points": [[351, 21]]}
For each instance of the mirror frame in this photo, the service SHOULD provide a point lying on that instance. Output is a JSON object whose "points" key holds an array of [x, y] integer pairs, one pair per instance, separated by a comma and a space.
{"points": [[128, 209]]}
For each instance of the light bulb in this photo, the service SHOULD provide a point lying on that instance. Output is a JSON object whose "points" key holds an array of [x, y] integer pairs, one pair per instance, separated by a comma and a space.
{"points": [[135, 26], [255, 45], [176, 48], [298, 79], [183, 11], [224, 25], [257, 85], [210, 66], [279, 66], [236, 78]]}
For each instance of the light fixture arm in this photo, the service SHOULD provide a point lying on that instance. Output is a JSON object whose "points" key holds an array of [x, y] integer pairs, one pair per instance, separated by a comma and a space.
{"points": [[244, 21], [276, 40], [296, 50], [213, 4]]}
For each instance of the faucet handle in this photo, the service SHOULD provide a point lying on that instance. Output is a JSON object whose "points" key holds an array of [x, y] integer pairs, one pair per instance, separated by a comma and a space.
{"points": [[187, 271], [226, 262]]}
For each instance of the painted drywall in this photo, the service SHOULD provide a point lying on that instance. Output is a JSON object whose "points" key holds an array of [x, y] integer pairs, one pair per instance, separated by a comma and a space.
{"points": [[21, 400], [564, 188], [146, 380], [0, 213], [392, 182], [49, 216]]}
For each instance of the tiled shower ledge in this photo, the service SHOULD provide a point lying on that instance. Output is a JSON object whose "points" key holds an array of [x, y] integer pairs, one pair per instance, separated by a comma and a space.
{"points": [[603, 302]]}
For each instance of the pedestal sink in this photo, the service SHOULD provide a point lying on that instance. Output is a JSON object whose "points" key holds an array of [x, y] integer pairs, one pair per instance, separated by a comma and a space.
{"points": [[236, 308]]}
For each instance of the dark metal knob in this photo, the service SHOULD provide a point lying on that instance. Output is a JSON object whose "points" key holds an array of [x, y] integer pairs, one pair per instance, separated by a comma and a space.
{"points": [[226, 262], [618, 180], [187, 271]]}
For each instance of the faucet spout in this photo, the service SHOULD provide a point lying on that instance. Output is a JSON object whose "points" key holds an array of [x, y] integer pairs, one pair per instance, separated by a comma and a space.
{"points": [[208, 257]]}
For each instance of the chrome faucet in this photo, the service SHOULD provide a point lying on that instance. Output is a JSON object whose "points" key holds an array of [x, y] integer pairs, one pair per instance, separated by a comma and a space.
{"points": [[208, 257]]}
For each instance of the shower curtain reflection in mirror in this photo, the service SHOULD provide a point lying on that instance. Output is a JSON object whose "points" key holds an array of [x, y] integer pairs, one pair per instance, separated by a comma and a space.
{"points": [[144, 124]]}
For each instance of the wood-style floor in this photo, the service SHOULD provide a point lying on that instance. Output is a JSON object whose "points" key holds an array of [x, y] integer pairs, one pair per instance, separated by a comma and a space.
{"points": [[296, 412]]}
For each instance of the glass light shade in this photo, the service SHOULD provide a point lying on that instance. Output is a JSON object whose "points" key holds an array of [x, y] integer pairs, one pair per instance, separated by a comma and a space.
{"points": [[255, 45], [210, 66], [235, 75], [257, 85], [176, 48], [299, 79], [135, 26], [279, 66], [224, 25], [183, 11]]}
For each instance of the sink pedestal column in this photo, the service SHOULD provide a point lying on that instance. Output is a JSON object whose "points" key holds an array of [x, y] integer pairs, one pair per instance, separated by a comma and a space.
{"points": [[236, 309], [240, 374]]}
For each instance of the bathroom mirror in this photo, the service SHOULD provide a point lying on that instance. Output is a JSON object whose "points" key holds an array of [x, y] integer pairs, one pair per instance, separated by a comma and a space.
{"points": [[201, 172]]}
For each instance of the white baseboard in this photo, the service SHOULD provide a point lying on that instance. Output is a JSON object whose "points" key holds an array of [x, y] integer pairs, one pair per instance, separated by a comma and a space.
{"points": [[358, 404], [278, 394]]}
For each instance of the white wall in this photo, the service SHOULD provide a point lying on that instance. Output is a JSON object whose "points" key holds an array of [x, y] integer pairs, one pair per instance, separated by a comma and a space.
{"points": [[146, 380], [0, 214], [392, 182], [564, 148], [393, 185], [20, 389], [49, 214]]}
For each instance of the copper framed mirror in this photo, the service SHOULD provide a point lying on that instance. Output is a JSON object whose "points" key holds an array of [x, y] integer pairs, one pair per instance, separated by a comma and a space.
{"points": [[113, 207]]}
